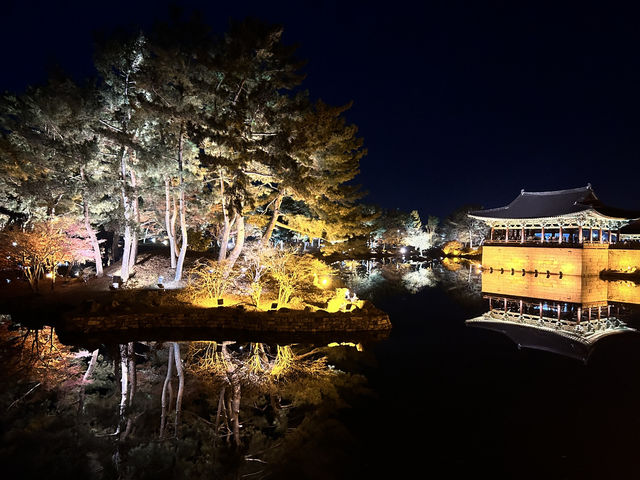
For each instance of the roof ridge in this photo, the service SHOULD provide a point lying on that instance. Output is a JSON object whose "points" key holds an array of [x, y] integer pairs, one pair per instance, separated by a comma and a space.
{"points": [[555, 192]]}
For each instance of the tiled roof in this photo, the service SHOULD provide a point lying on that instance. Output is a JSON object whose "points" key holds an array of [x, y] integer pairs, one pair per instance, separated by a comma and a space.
{"points": [[552, 204]]}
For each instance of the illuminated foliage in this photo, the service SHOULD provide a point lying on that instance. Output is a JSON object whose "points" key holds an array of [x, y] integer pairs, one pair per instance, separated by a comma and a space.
{"points": [[453, 247], [41, 248], [208, 279], [255, 264], [292, 272]]}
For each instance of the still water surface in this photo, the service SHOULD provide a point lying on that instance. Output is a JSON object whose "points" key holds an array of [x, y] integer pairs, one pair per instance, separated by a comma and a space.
{"points": [[436, 399]]}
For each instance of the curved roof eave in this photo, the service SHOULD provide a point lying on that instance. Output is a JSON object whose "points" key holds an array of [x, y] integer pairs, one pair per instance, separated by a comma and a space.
{"points": [[566, 215]]}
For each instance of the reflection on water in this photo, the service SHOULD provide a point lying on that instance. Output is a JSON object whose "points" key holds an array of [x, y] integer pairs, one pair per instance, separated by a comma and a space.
{"points": [[563, 314], [203, 404], [173, 409], [371, 279]]}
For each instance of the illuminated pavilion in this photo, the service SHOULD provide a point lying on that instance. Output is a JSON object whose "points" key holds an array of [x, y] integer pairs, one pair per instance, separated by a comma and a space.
{"points": [[573, 216]]}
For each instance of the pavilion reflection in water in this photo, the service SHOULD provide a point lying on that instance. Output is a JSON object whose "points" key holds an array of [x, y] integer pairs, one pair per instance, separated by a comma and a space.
{"points": [[566, 315]]}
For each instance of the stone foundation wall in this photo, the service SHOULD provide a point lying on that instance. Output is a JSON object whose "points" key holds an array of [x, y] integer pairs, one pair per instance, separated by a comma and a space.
{"points": [[368, 319], [569, 261], [624, 260]]}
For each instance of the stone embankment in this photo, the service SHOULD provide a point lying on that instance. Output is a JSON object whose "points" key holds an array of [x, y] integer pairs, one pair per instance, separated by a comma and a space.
{"points": [[368, 318]]}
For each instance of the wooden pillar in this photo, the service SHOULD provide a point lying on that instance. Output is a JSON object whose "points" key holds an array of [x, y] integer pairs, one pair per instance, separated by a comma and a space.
{"points": [[580, 234], [520, 307], [542, 235], [590, 234], [490, 304], [560, 236], [506, 235], [491, 237], [618, 236], [600, 237], [540, 310], [579, 314], [558, 312], [609, 236], [505, 305], [522, 235]]}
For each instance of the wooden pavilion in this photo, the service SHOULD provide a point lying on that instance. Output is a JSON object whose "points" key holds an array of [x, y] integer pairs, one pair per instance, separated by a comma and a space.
{"points": [[573, 216]]}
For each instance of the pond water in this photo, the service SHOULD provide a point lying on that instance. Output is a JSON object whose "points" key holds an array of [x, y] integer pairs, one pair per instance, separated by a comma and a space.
{"points": [[438, 398]]}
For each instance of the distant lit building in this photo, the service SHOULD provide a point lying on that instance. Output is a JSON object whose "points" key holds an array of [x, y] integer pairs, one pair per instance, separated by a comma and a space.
{"points": [[564, 232], [572, 216]]}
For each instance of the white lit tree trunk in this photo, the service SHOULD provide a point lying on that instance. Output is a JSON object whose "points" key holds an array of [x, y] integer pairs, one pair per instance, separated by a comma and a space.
{"points": [[180, 373], [224, 241], [136, 217], [183, 220], [174, 219], [235, 253], [126, 205], [91, 232], [124, 387], [92, 366], [168, 224], [166, 400]]}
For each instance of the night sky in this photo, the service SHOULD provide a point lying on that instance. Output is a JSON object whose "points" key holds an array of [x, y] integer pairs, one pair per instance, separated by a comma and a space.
{"points": [[458, 103]]}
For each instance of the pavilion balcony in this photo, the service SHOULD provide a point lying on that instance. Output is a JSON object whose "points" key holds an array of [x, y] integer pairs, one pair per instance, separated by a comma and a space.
{"points": [[535, 243], [626, 245], [553, 243]]}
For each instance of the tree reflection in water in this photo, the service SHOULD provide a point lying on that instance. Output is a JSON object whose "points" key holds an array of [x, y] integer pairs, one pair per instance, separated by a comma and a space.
{"points": [[226, 409]]}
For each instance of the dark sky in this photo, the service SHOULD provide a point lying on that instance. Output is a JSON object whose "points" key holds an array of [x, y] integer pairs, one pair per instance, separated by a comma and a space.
{"points": [[458, 103]]}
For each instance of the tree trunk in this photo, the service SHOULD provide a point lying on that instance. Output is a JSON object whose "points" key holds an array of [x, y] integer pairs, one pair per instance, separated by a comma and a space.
{"points": [[126, 204], [183, 219], [133, 374], [92, 365], [235, 253], [224, 242], [136, 216], [179, 371], [124, 387], [126, 254], [167, 220], [114, 246], [276, 212], [97, 256], [183, 234], [220, 409], [165, 402], [134, 249], [174, 218], [91, 233], [233, 407], [227, 227], [235, 410]]}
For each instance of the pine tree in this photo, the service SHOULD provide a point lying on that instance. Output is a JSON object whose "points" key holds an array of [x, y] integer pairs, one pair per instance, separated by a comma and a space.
{"points": [[119, 61]]}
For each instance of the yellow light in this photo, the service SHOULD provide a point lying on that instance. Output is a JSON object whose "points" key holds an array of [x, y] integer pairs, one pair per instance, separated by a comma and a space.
{"points": [[49, 275], [325, 281]]}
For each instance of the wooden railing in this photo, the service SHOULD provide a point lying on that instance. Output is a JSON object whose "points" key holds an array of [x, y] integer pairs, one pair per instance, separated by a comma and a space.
{"points": [[532, 243], [584, 329]]}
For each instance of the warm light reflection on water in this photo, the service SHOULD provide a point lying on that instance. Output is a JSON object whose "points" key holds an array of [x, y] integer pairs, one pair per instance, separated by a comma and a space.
{"points": [[590, 290]]}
